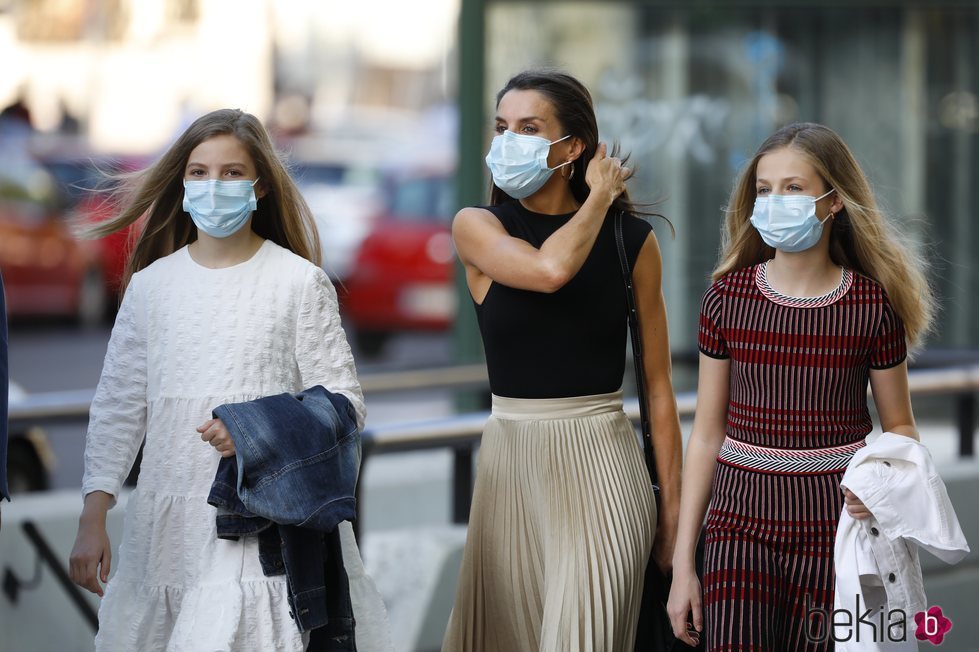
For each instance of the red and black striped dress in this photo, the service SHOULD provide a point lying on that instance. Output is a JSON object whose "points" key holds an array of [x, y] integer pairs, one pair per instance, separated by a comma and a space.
{"points": [[799, 375]]}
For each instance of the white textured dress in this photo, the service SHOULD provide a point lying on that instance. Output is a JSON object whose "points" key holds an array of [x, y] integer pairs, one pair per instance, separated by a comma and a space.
{"points": [[187, 339]]}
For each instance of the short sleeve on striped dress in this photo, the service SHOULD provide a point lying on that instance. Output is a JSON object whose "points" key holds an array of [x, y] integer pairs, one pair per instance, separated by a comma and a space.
{"points": [[710, 339], [890, 346]]}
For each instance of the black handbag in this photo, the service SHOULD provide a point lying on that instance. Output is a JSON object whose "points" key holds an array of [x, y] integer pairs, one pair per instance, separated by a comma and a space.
{"points": [[654, 633]]}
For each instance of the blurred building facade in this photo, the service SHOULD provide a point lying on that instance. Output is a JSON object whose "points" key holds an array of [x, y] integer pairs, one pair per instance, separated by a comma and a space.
{"points": [[131, 74], [692, 88], [353, 93]]}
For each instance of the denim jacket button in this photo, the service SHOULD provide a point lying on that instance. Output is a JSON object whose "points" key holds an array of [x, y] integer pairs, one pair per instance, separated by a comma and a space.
{"points": [[874, 531], [892, 577]]}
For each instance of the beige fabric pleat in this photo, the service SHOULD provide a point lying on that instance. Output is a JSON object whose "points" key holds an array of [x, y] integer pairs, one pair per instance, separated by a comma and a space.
{"points": [[561, 526]]}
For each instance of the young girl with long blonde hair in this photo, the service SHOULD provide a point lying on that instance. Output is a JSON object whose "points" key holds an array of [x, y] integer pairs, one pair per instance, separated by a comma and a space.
{"points": [[814, 296], [225, 302]]}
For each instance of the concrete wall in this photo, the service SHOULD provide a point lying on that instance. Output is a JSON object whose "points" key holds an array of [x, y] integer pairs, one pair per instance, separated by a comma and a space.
{"points": [[43, 617]]}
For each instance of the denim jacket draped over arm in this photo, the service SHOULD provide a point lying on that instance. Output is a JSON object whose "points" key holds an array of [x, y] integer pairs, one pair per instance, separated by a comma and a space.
{"points": [[291, 482]]}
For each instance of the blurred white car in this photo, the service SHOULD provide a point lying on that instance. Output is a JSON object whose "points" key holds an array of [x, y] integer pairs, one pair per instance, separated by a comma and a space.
{"points": [[344, 202], [29, 455]]}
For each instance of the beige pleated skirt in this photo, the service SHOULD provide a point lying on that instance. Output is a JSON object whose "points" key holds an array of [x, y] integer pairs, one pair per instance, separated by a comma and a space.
{"points": [[562, 523]]}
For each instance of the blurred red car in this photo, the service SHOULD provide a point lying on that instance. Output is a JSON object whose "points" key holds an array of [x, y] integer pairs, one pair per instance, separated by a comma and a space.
{"points": [[402, 275], [46, 270], [79, 177]]}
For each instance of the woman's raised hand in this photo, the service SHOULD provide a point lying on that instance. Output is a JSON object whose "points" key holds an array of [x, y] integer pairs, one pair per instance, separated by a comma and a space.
{"points": [[606, 175]]}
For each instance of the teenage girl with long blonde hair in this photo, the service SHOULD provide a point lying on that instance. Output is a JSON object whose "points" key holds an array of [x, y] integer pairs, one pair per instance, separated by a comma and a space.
{"points": [[814, 296], [225, 302]]}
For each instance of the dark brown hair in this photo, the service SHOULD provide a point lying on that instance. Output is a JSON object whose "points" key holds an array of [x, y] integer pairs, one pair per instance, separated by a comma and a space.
{"points": [[573, 108]]}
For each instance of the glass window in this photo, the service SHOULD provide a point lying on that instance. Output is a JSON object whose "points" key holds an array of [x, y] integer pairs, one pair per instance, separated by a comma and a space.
{"points": [[691, 91]]}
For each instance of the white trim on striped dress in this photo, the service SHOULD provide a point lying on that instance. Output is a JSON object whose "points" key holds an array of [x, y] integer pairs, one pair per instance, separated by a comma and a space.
{"points": [[787, 460]]}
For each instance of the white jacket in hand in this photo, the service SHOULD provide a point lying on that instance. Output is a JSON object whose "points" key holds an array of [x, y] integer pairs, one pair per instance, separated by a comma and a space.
{"points": [[878, 575]]}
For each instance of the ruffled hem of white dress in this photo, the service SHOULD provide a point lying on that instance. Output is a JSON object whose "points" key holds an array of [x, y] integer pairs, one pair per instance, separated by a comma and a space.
{"points": [[239, 616]]}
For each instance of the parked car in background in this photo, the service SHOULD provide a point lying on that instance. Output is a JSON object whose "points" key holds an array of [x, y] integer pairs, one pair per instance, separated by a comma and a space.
{"points": [[344, 198], [46, 270], [82, 178], [402, 274], [30, 458]]}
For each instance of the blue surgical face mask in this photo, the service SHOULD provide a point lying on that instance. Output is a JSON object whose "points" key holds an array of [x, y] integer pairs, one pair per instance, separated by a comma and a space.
{"points": [[788, 222], [519, 163], [219, 208]]}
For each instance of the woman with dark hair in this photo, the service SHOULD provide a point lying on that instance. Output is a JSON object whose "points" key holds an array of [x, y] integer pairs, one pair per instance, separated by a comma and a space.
{"points": [[563, 517]]}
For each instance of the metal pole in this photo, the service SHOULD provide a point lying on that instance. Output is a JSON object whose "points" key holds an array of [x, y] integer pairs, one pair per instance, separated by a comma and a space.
{"points": [[366, 448], [471, 185], [462, 484], [966, 417]]}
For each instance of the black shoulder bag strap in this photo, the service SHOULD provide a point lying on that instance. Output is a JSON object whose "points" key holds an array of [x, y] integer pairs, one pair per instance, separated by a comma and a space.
{"points": [[630, 295], [653, 632]]}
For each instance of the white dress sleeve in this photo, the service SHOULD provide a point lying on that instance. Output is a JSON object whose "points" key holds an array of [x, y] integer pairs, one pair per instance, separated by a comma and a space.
{"points": [[117, 421], [322, 351]]}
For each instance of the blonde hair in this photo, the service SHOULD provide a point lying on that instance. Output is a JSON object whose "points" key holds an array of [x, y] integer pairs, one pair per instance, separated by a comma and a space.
{"points": [[154, 196], [861, 238]]}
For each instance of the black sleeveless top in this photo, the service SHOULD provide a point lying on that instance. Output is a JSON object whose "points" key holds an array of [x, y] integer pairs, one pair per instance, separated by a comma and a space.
{"points": [[571, 342]]}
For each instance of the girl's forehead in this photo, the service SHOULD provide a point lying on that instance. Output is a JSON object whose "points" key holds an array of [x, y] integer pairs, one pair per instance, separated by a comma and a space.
{"points": [[220, 148], [783, 163]]}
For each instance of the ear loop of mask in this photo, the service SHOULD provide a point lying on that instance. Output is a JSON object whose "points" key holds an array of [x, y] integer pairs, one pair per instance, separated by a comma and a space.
{"points": [[831, 213], [557, 167]]}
